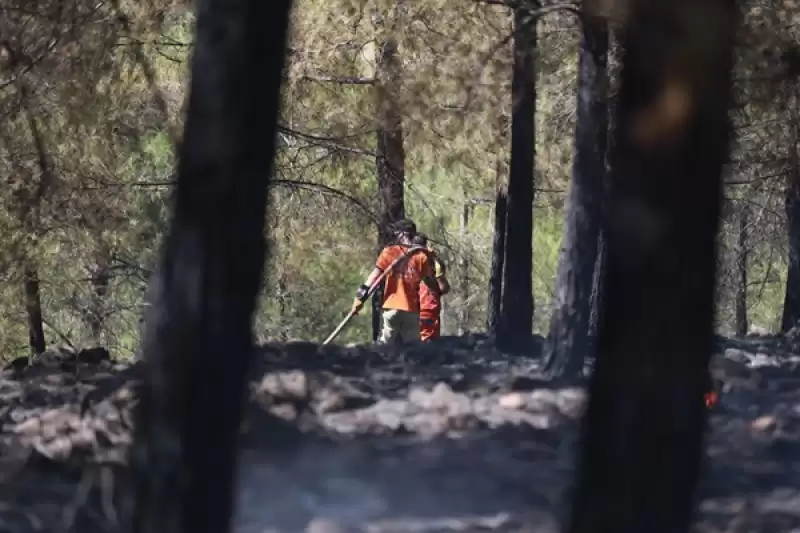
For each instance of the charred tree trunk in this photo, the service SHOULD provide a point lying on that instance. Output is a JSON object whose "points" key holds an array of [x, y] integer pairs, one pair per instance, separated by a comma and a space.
{"points": [[568, 341], [498, 251], [642, 441], [150, 74], [30, 216], [33, 308], [282, 287], [99, 279], [741, 273], [791, 302], [198, 338], [516, 313], [463, 319], [377, 301], [597, 293], [498, 259], [613, 67], [391, 154]]}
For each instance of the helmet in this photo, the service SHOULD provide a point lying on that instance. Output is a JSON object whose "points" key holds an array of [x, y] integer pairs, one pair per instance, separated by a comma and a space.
{"points": [[404, 225]]}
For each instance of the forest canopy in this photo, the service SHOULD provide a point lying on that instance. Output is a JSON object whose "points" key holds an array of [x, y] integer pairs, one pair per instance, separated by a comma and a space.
{"points": [[388, 106]]}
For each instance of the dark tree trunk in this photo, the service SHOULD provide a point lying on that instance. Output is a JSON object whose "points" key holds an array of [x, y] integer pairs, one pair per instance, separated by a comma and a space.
{"points": [[613, 67], [391, 155], [498, 254], [150, 74], [741, 273], [642, 442], [464, 265], [597, 292], [30, 208], [377, 301], [97, 313], [198, 337], [282, 287], [516, 314], [99, 279], [791, 302], [498, 258], [569, 337], [33, 309]]}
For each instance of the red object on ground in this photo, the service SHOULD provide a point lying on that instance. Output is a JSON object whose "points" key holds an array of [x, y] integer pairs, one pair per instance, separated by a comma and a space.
{"points": [[712, 399]]}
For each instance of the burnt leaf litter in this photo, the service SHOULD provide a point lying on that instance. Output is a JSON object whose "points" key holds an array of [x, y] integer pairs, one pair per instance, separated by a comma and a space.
{"points": [[449, 436]]}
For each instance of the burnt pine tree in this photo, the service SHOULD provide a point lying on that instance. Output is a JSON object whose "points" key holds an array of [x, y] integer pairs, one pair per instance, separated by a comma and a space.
{"points": [[741, 271], [100, 280], [498, 255], [31, 202], [597, 294], [642, 440], [568, 340], [516, 313], [613, 61], [33, 308], [791, 302], [390, 158], [198, 338]]}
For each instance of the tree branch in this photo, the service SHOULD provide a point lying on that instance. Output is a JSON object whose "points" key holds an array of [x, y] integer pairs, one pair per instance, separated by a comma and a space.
{"points": [[298, 184], [534, 12], [343, 80], [64, 338], [330, 191], [325, 142]]}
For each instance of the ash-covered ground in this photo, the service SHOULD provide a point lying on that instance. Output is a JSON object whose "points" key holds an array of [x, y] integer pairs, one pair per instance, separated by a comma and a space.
{"points": [[451, 436]]}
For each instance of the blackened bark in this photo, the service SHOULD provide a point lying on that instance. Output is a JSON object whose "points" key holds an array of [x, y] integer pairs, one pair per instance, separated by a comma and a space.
{"points": [[499, 236], [391, 156], [613, 65], [741, 273], [568, 341], [150, 74], [377, 303], [99, 279], [597, 293], [198, 339], [33, 308], [516, 315], [97, 310], [791, 302], [30, 211], [464, 266], [282, 287], [642, 441], [498, 258]]}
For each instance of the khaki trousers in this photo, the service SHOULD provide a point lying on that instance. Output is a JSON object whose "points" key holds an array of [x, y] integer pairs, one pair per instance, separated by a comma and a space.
{"points": [[399, 327]]}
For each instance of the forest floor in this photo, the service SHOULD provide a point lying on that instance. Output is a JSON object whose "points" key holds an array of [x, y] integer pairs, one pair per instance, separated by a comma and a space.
{"points": [[451, 436]]}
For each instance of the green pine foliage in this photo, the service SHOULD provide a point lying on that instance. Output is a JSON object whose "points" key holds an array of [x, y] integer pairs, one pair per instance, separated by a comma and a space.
{"points": [[108, 96]]}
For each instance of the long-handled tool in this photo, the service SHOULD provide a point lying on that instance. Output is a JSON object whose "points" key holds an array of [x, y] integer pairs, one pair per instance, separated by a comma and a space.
{"points": [[372, 288]]}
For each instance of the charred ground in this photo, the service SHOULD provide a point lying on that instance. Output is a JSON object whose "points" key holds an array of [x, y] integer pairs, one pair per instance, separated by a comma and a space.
{"points": [[453, 436]]}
